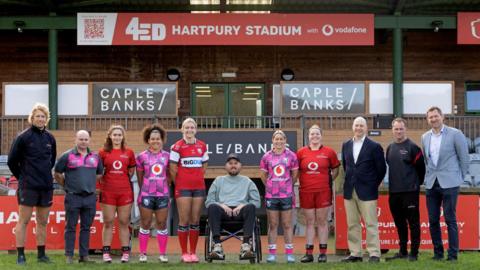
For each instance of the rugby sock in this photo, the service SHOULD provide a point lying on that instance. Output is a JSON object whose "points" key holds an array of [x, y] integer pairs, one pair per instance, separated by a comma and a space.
{"points": [[308, 249], [272, 249], [182, 233], [20, 251], [194, 233], [288, 248], [41, 251], [106, 250], [323, 248], [125, 249], [162, 239], [143, 238]]}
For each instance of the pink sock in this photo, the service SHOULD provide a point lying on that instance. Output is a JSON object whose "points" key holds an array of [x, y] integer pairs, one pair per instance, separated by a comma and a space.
{"points": [[162, 239], [143, 237], [288, 248], [272, 249]]}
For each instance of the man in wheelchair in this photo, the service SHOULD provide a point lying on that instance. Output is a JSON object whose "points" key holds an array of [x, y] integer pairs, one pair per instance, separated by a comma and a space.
{"points": [[232, 197]]}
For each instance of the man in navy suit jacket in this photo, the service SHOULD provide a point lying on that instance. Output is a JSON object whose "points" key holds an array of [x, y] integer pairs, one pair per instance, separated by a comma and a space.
{"points": [[364, 165]]}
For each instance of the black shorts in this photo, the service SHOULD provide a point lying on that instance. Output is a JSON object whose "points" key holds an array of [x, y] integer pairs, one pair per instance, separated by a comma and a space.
{"points": [[32, 197], [154, 202], [190, 193], [279, 204]]}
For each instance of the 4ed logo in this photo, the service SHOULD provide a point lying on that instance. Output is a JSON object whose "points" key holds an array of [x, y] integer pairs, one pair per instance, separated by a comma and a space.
{"points": [[475, 26]]}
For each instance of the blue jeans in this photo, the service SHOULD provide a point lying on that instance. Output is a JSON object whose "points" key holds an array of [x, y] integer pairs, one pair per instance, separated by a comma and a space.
{"points": [[78, 206], [446, 197]]}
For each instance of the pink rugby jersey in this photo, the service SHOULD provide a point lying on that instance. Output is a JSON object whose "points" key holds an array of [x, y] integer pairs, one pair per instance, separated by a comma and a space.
{"points": [[154, 166], [279, 183]]}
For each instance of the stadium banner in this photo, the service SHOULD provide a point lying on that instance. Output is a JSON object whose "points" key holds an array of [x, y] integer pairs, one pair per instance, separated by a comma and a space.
{"points": [[249, 145], [313, 98], [467, 221], [225, 29], [55, 228], [158, 99], [468, 28]]}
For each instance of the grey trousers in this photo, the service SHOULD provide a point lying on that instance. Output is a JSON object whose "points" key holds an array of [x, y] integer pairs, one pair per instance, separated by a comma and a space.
{"points": [[78, 206]]}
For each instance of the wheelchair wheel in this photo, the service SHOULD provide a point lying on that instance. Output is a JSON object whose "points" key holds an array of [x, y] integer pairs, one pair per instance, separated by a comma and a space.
{"points": [[207, 244], [258, 243]]}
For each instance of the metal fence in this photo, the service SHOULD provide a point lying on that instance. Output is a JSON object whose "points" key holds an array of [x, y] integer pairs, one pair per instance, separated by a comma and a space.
{"points": [[10, 126]]}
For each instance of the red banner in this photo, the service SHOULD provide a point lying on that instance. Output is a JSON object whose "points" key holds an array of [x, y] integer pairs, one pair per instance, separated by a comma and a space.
{"points": [[467, 220], [55, 227], [468, 28], [224, 29]]}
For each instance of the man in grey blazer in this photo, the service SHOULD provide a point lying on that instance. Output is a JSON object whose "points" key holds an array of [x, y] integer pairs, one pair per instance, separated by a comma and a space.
{"points": [[446, 159]]}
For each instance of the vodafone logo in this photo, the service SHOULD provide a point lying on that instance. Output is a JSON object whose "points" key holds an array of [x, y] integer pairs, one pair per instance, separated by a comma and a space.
{"points": [[475, 26], [279, 170], [157, 169], [327, 30], [312, 166], [117, 165]]}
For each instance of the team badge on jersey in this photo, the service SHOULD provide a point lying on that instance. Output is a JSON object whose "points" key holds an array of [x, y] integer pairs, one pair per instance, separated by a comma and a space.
{"points": [[157, 169], [312, 166], [117, 165], [279, 170]]}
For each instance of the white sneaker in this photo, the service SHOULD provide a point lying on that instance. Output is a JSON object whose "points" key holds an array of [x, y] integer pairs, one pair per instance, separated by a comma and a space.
{"points": [[107, 258], [290, 258], [142, 258], [163, 258], [217, 252], [246, 251], [125, 257], [271, 258]]}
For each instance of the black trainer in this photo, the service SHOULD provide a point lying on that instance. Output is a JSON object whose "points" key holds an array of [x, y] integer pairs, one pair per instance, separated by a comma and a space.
{"points": [[44, 259], [397, 256], [21, 260], [412, 258], [308, 258], [352, 259], [322, 258]]}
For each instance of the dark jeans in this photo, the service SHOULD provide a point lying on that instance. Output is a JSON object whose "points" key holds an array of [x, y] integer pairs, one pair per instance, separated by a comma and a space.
{"points": [[446, 197], [83, 207], [405, 212], [216, 215]]}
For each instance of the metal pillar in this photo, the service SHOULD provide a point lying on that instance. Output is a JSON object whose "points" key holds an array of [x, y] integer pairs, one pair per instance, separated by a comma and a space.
{"points": [[53, 77], [397, 72]]}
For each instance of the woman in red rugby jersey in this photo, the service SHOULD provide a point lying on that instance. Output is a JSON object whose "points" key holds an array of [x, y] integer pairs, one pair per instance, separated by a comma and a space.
{"points": [[116, 190], [318, 167], [188, 162]]}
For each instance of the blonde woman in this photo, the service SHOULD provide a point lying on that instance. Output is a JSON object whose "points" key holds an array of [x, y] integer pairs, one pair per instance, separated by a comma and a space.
{"points": [[318, 167], [31, 160], [188, 162]]}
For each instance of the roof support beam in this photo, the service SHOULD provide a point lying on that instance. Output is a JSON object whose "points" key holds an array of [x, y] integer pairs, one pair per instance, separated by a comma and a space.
{"points": [[381, 22], [38, 23], [414, 22]]}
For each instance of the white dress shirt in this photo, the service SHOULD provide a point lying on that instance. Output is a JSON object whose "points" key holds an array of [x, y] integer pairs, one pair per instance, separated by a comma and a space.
{"points": [[357, 146], [435, 143]]}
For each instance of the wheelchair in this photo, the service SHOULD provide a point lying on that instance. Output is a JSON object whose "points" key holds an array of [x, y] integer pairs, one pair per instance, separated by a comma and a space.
{"points": [[234, 229]]}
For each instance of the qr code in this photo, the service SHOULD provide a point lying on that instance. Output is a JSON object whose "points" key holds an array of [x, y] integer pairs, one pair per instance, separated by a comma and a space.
{"points": [[94, 28]]}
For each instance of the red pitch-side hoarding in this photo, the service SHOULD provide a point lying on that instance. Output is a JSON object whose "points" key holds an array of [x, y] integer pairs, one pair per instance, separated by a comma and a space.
{"points": [[55, 227], [467, 220], [224, 29], [468, 28]]}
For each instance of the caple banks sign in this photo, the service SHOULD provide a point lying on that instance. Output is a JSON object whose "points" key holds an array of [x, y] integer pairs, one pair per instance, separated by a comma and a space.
{"points": [[135, 98], [323, 98]]}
